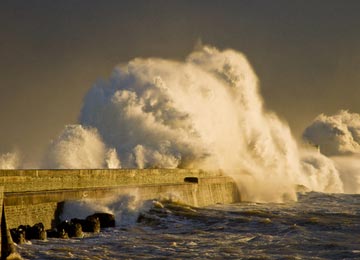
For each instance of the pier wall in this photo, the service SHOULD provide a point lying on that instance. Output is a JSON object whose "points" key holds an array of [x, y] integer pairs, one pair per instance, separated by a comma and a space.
{"points": [[32, 196]]}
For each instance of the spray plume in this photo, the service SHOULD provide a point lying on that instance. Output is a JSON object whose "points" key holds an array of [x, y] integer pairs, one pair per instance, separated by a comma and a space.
{"points": [[205, 112], [80, 147], [338, 136], [335, 135], [9, 161]]}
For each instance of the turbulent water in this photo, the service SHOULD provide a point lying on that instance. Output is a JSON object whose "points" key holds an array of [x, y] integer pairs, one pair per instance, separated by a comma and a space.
{"points": [[318, 226]]}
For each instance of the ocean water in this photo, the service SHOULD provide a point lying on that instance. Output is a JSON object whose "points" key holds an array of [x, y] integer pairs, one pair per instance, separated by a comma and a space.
{"points": [[317, 226]]}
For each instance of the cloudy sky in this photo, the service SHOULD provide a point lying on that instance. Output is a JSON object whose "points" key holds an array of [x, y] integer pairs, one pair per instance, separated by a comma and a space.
{"points": [[305, 53]]}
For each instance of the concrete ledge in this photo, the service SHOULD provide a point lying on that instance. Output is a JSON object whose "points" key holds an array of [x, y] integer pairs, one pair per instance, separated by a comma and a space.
{"points": [[36, 180]]}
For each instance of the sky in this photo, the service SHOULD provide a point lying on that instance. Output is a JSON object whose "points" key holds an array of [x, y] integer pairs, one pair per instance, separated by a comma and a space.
{"points": [[305, 53]]}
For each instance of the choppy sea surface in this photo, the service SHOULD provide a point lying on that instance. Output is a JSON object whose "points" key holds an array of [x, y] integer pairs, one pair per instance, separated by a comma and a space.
{"points": [[318, 226]]}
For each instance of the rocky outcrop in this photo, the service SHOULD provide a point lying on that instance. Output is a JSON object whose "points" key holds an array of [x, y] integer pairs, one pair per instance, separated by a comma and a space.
{"points": [[76, 227], [23, 233], [68, 229], [90, 224], [106, 219]]}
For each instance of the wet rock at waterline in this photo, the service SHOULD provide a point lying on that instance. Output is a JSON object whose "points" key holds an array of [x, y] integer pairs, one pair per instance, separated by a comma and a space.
{"points": [[25, 232], [90, 224], [66, 229], [106, 219], [18, 235]]}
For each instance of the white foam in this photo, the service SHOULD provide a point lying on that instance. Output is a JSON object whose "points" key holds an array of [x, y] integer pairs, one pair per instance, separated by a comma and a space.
{"points": [[205, 112], [80, 147], [9, 160]]}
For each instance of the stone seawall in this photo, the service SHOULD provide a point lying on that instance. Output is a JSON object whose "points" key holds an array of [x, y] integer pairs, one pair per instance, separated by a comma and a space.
{"points": [[32, 196], [36, 180]]}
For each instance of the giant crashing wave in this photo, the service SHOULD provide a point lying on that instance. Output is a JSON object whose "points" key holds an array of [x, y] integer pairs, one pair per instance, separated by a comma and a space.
{"points": [[205, 112]]}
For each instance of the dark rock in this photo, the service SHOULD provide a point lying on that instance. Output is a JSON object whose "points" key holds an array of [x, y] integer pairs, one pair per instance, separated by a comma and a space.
{"points": [[90, 224], [63, 234], [75, 230], [18, 235], [35, 232], [62, 229], [70, 228], [93, 224], [26, 229], [106, 219], [53, 233]]}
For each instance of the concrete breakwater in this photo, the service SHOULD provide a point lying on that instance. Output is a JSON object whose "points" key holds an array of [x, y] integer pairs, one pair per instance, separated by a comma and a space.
{"points": [[32, 196]]}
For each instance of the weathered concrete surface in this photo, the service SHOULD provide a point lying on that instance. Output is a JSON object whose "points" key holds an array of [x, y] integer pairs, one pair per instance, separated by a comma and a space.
{"points": [[33, 196], [34, 180]]}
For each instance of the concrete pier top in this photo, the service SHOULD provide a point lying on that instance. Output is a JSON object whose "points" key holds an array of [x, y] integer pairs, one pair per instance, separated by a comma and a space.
{"points": [[39, 180]]}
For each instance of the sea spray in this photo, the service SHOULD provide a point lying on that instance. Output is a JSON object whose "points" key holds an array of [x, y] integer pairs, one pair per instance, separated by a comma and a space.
{"points": [[349, 168], [338, 136], [205, 112], [80, 147], [319, 172], [9, 161], [125, 207]]}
